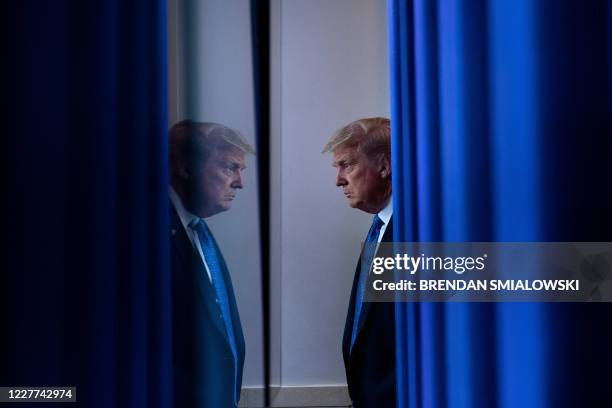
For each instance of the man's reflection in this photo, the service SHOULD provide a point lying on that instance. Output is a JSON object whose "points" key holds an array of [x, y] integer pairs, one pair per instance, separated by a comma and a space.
{"points": [[206, 162]]}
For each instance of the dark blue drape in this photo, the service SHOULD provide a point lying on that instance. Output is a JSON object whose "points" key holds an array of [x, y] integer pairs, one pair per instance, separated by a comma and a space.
{"points": [[85, 293], [502, 131]]}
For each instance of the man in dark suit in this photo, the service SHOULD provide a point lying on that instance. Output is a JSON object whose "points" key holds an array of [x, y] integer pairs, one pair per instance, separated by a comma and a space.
{"points": [[206, 162], [362, 156]]}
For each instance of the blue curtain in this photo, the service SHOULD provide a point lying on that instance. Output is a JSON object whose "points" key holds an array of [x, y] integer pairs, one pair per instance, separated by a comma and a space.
{"points": [[502, 131], [85, 291]]}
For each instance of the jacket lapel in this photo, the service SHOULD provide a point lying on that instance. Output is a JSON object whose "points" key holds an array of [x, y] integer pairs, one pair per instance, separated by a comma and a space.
{"points": [[195, 271]]}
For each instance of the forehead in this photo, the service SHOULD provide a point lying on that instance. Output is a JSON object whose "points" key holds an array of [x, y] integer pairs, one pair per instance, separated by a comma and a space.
{"points": [[229, 156], [344, 154]]}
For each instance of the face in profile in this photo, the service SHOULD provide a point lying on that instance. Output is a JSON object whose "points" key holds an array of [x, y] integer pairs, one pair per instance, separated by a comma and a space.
{"points": [[213, 186], [365, 184]]}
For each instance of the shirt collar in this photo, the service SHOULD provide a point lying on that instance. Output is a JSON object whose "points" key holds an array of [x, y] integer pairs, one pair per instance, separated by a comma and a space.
{"points": [[185, 216], [386, 213]]}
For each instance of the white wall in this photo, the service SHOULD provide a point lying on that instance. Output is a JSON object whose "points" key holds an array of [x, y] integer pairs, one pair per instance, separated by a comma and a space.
{"points": [[333, 66]]}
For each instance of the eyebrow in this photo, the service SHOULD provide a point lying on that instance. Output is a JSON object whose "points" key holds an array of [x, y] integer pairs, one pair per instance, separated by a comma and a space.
{"points": [[342, 162], [235, 165]]}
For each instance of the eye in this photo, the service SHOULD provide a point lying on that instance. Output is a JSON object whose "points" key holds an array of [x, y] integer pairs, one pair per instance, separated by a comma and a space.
{"points": [[230, 169]]}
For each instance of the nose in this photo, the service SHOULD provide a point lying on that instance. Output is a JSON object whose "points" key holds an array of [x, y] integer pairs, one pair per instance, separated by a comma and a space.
{"points": [[237, 182], [340, 180]]}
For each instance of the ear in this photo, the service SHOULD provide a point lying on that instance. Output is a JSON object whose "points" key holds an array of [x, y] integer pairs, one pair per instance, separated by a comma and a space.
{"points": [[385, 168]]}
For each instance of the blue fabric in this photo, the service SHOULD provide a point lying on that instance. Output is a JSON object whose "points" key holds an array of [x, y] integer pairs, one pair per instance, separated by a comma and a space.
{"points": [[85, 282], [501, 131], [366, 261], [212, 255]]}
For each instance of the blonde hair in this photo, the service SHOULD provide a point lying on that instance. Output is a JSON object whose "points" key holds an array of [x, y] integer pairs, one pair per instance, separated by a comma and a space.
{"points": [[194, 142], [371, 136]]}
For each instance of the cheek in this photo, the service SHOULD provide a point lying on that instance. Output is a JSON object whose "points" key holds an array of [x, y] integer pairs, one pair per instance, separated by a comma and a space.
{"points": [[356, 186], [220, 183], [208, 185], [357, 182], [366, 183], [204, 190]]}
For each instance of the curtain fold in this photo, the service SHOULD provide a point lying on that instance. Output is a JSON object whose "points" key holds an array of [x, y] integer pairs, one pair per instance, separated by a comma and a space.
{"points": [[86, 281], [501, 131]]}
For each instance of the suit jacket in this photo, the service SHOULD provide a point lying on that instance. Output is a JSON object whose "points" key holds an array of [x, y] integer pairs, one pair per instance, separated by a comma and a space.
{"points": [[370, 366], [203, 362]]}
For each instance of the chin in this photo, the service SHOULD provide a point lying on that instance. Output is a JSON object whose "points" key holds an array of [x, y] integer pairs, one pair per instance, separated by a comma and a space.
{"points": [[361, 206], [214, 210], [224, 206]]}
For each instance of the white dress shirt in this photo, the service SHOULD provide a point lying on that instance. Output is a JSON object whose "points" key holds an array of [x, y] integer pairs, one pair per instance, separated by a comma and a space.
{"points": [[385, 215]]}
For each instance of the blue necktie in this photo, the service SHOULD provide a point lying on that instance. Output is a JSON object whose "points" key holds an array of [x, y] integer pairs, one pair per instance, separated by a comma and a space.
{"points": [[366, 260], [213, 258]]}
